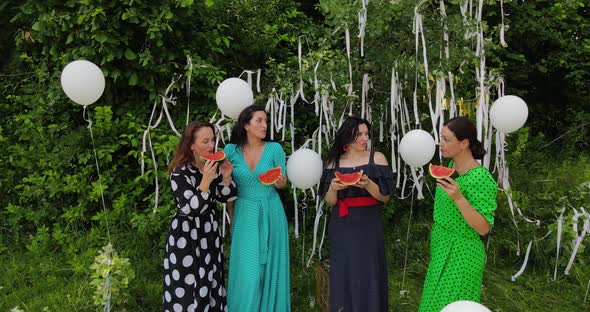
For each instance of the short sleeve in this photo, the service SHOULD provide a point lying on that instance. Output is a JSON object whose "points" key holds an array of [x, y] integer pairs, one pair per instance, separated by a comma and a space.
{"points": [[189, 199], [482, 194], [278, 157], [230, 152]]}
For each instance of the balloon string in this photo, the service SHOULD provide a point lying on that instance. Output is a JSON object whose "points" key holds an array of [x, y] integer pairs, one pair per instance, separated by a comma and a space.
{"points": [[402, 291], [587, 288], [87, 119], [303, 210]]}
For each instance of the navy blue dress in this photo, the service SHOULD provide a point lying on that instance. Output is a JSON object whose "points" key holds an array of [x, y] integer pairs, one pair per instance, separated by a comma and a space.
{"points": [[358, 272]]}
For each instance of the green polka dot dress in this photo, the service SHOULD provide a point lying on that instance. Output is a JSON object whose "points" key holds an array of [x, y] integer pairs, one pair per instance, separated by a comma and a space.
{"points": [[457, 252]]}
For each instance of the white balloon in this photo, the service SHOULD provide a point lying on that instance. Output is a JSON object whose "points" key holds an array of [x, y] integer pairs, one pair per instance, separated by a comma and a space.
{"points": [[417, 148], [232, 96], [304, 168], [83, 82], [508, 113], [465, 306]]}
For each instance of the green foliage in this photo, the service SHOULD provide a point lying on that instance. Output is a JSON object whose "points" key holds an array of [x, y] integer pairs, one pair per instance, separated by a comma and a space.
{"points": [[53, 223], [110, 278], [550, 68]]}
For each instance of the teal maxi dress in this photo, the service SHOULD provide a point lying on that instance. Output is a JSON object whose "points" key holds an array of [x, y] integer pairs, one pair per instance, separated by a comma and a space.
{"points": [[457, 254], [258, 278]]}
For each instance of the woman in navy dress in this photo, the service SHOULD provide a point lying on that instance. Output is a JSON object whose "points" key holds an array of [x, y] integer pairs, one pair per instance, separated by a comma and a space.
{"points": [[358, 273]]}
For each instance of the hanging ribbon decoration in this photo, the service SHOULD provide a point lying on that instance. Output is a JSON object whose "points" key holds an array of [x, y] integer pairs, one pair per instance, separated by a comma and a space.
{"points": [[579, 238], [526, 257], [362, 25], [559, 233], [349, 87], [188, 87], [502, 41], [166, 98], [452, 106]]}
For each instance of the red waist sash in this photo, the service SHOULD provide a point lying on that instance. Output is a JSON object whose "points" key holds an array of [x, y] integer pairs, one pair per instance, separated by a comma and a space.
{"points": [[345, 203]]}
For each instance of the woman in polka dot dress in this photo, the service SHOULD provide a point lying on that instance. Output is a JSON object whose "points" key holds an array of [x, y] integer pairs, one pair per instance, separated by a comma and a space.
{"points": [[463, 212], [193, 263], [358, 272]]}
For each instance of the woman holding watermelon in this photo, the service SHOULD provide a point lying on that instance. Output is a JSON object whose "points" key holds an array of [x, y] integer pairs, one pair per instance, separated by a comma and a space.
{"points": [[193, 263], [259, 257], [356, 183], [463, 212]]}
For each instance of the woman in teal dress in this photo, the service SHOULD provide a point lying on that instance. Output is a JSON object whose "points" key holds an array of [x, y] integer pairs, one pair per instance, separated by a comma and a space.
{"points": [[258, 278], [463, 212]]}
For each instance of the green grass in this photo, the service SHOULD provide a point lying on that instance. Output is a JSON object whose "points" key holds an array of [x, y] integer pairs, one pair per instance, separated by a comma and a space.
{"points": [[50, 281]]}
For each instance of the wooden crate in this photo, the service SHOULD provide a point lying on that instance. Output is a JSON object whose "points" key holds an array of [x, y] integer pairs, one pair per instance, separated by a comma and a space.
{"points": [[322, 285]]}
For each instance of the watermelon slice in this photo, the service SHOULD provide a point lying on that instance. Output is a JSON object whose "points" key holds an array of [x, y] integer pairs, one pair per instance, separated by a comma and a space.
{"points": [[349, 178], [270, 177], [439, 172], [219, 156]]}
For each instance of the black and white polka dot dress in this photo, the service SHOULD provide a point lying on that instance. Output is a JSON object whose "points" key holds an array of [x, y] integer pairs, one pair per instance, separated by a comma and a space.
{"points": [[193, 262]]}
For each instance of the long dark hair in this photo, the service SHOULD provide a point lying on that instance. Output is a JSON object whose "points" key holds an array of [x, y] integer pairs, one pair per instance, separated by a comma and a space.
{"points": [[463, 129], [183, 154], [346, 134], [238, 134]]}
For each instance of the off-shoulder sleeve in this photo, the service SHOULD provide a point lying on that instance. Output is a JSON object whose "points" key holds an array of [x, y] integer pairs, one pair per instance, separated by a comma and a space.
{"points": [[325, 181], [189, 199], [383, 177]]}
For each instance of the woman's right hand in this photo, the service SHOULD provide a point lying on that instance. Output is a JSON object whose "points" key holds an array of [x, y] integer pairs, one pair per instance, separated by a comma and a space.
{"points": [[336, 185], [209, 172]]}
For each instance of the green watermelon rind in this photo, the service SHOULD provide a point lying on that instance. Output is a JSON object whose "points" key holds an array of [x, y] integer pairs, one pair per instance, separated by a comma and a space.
{"points": [[449, 172], [263, 177], [341, 176]]}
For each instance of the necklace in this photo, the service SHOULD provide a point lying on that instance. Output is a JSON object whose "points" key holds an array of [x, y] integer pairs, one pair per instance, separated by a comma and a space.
{"points": [[465, 168]]}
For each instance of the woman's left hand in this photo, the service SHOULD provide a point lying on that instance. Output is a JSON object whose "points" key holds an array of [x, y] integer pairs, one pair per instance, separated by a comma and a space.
{"points": [[281, 182], [363, 182], [226, 170], [450, 187]]}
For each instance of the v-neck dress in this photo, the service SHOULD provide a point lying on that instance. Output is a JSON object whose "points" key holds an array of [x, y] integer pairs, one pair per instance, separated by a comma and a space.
{"points": [[457, 254], [258, 278]]}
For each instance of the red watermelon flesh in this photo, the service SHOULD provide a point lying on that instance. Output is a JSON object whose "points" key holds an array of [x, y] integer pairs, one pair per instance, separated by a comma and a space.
{"points": [[219, 156], [349, 178], [439, 172], [271, 176]]}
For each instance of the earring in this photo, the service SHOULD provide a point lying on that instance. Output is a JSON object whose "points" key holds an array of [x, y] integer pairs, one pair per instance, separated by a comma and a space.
{"points": [[345, 148]]}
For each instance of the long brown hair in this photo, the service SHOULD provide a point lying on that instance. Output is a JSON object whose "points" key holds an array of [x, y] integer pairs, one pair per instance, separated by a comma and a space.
{"points": [[183, 154]]}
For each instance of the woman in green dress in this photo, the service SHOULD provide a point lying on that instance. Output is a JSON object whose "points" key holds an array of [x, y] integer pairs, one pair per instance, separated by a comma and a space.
{"points": [[258, 277], [463, 213]]}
